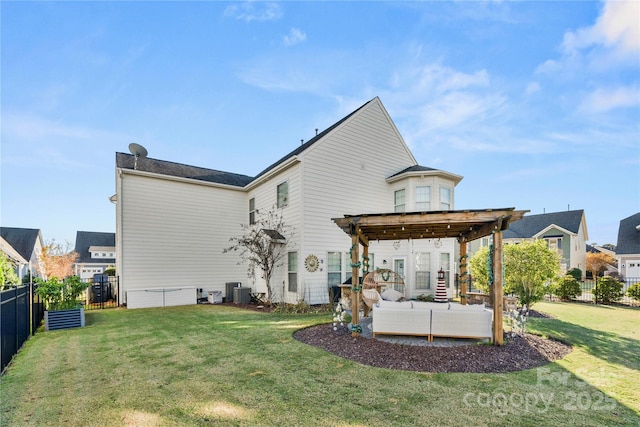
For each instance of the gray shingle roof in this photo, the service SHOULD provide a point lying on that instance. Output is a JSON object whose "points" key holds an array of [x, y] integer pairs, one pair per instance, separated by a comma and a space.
{"points": [[629, 236], [530, 225], [147, 164], [23, 240], [86, 239], [415, 168]]}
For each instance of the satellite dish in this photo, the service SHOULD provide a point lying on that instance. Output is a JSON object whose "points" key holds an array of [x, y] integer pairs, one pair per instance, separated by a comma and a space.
{"points": [[138, 151]]}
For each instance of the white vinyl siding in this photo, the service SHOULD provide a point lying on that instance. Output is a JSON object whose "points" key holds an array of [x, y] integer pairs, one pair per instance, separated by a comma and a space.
{"points": [[183, 245]]}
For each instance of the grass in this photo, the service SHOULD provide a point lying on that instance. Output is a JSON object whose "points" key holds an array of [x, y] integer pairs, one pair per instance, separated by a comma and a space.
{"points": [[207, 364]]}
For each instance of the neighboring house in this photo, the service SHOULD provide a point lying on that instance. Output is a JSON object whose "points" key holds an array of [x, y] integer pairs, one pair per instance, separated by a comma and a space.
{"points": [[96, 252], [28, 244], [610, 270], [628, 247], [173, 220], [564, 232]]}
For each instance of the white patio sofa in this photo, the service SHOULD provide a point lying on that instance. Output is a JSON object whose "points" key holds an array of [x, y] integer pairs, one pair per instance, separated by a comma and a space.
{"points": [[432, 319], [400, 318]]}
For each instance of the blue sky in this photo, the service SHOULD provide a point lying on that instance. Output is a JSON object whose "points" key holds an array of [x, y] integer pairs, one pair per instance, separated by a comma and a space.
{"points": [[536, 104]]}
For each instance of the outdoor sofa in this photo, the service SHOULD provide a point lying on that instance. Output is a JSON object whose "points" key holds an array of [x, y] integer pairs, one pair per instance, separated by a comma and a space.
{"points": [[431, 319]]}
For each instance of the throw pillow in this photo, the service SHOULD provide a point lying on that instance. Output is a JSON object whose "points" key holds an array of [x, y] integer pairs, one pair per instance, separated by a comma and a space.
{"points": [[391, 295]]}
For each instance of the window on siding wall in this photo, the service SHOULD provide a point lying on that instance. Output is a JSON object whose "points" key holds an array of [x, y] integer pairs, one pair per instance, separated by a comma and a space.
{"points": [[423, 270], [423, 198], [445, 199], [334, 268], [252, 211], [292, 267], [347, 266], [283, 194], [398, 200], [444, 265]]}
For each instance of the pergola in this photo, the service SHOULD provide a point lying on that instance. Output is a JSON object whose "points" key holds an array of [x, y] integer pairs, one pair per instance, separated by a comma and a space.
{"points": [[463, 225]]}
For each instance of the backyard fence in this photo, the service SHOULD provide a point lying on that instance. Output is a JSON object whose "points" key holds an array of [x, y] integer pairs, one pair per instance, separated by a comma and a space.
{"points": [[21, 312], [589, 285], [102, 292]]}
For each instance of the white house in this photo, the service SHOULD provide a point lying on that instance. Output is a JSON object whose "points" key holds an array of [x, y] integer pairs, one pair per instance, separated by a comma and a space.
{"points": [[24, 246], [96, 252], [173, 221], [628, 248]]}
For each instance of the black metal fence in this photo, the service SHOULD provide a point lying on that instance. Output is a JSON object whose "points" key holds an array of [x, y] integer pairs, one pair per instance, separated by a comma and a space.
{"points": [[589, 285], [21, 312], [103, 292]]}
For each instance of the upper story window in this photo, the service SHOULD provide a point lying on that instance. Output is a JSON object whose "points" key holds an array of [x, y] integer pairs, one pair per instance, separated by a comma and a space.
{"points": [[445, 198], [398, 200], [423, 198], [252, 211], [283, 194]]}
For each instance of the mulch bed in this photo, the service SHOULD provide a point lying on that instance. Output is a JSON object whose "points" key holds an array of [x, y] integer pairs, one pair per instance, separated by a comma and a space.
{"points": [[518, 353]]}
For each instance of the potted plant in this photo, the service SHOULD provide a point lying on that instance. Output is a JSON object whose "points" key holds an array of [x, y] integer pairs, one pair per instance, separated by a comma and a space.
{"points": [[62, 308]]}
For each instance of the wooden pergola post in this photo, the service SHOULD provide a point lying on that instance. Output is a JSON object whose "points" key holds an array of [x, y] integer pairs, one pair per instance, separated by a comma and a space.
{"points": [[497, 295], [355, 283], [463, 273]]}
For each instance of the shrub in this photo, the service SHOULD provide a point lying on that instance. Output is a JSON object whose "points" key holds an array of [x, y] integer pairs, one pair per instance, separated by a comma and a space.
{"points": [[634, 292], [567, 288], [607, 290], [575, 273], [423, 297], [61, 295]]}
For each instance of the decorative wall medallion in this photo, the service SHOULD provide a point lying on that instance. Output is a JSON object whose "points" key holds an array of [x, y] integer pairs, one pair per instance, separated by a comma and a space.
{"points": [[437, 243], [311, 263]]}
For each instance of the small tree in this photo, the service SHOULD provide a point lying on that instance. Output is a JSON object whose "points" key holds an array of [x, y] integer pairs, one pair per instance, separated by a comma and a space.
{"points": [[262, 245], [597, 262], [58, 260], [478, 268], [8, 276], [528, 267]]}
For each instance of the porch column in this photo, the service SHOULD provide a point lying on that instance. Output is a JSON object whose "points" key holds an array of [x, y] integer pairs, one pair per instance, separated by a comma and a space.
{"points": [[355, 283], [497, 294], [463, 273]]}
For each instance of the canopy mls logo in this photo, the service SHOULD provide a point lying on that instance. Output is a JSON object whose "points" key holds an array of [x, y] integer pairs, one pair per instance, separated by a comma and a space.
{"points": [[568, 392]]}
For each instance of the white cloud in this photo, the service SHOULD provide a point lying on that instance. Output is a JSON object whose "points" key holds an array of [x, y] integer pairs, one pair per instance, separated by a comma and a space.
{"points": [[532, 87], [254, 11], [295, 36], [618, 28], [603, 100]]}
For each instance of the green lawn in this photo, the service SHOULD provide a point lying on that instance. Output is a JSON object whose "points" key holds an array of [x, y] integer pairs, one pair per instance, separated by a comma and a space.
{"points": [[207, 364]]}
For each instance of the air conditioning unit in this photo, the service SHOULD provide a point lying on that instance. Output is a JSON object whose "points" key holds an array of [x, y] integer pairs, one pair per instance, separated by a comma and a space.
{"points": [[229, 290]]}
